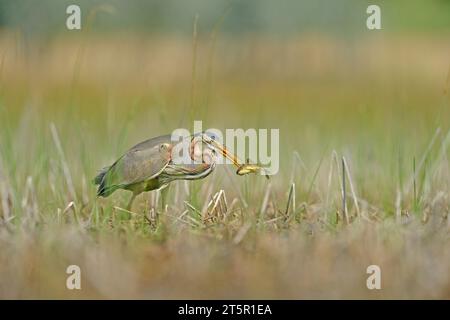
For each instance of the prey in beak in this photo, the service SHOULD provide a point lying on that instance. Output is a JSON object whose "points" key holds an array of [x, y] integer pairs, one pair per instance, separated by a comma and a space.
{"points": [[244, 168]]}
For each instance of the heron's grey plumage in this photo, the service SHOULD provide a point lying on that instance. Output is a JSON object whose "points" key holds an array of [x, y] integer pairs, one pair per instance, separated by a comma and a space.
{"points": [[136, 168]]}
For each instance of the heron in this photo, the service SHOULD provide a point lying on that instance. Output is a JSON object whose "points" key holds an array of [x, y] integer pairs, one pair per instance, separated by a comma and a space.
{"points": [[150, 165]]}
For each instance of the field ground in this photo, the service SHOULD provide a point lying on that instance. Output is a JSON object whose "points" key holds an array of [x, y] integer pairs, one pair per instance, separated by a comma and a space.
{"points": [[72, 106]]}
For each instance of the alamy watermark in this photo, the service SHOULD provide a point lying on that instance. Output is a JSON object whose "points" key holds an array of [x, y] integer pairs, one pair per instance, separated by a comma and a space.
{"points": [[73, 20], [73, 281], [257, 146]]}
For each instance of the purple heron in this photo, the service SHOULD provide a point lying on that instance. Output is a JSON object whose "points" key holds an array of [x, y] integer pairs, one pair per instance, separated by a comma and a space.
{"points": [[150, 165]]}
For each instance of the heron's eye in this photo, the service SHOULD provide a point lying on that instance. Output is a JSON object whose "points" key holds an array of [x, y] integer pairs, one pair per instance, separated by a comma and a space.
{"points": [[163, 147]]}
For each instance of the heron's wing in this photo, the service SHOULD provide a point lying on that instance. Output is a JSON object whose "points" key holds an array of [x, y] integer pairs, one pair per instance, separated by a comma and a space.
{"points": [[138, 165]]}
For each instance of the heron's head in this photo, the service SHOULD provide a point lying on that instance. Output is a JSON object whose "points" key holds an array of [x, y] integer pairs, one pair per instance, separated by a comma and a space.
{"points": [[202, 149]]}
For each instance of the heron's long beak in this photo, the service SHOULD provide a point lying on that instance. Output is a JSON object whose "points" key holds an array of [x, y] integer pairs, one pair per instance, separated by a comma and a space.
{"points": [[226, 153]]}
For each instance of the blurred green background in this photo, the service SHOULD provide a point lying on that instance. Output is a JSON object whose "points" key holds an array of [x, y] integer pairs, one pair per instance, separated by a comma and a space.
{"points": [[281, 18], [309, 68]]}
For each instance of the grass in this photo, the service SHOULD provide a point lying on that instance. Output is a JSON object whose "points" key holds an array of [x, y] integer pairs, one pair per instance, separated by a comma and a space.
{"points": [[364, 173]]}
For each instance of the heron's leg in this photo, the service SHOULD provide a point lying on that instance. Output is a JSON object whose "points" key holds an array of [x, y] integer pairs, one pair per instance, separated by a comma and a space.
{"points": [[130, 204], [164, 193]]}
